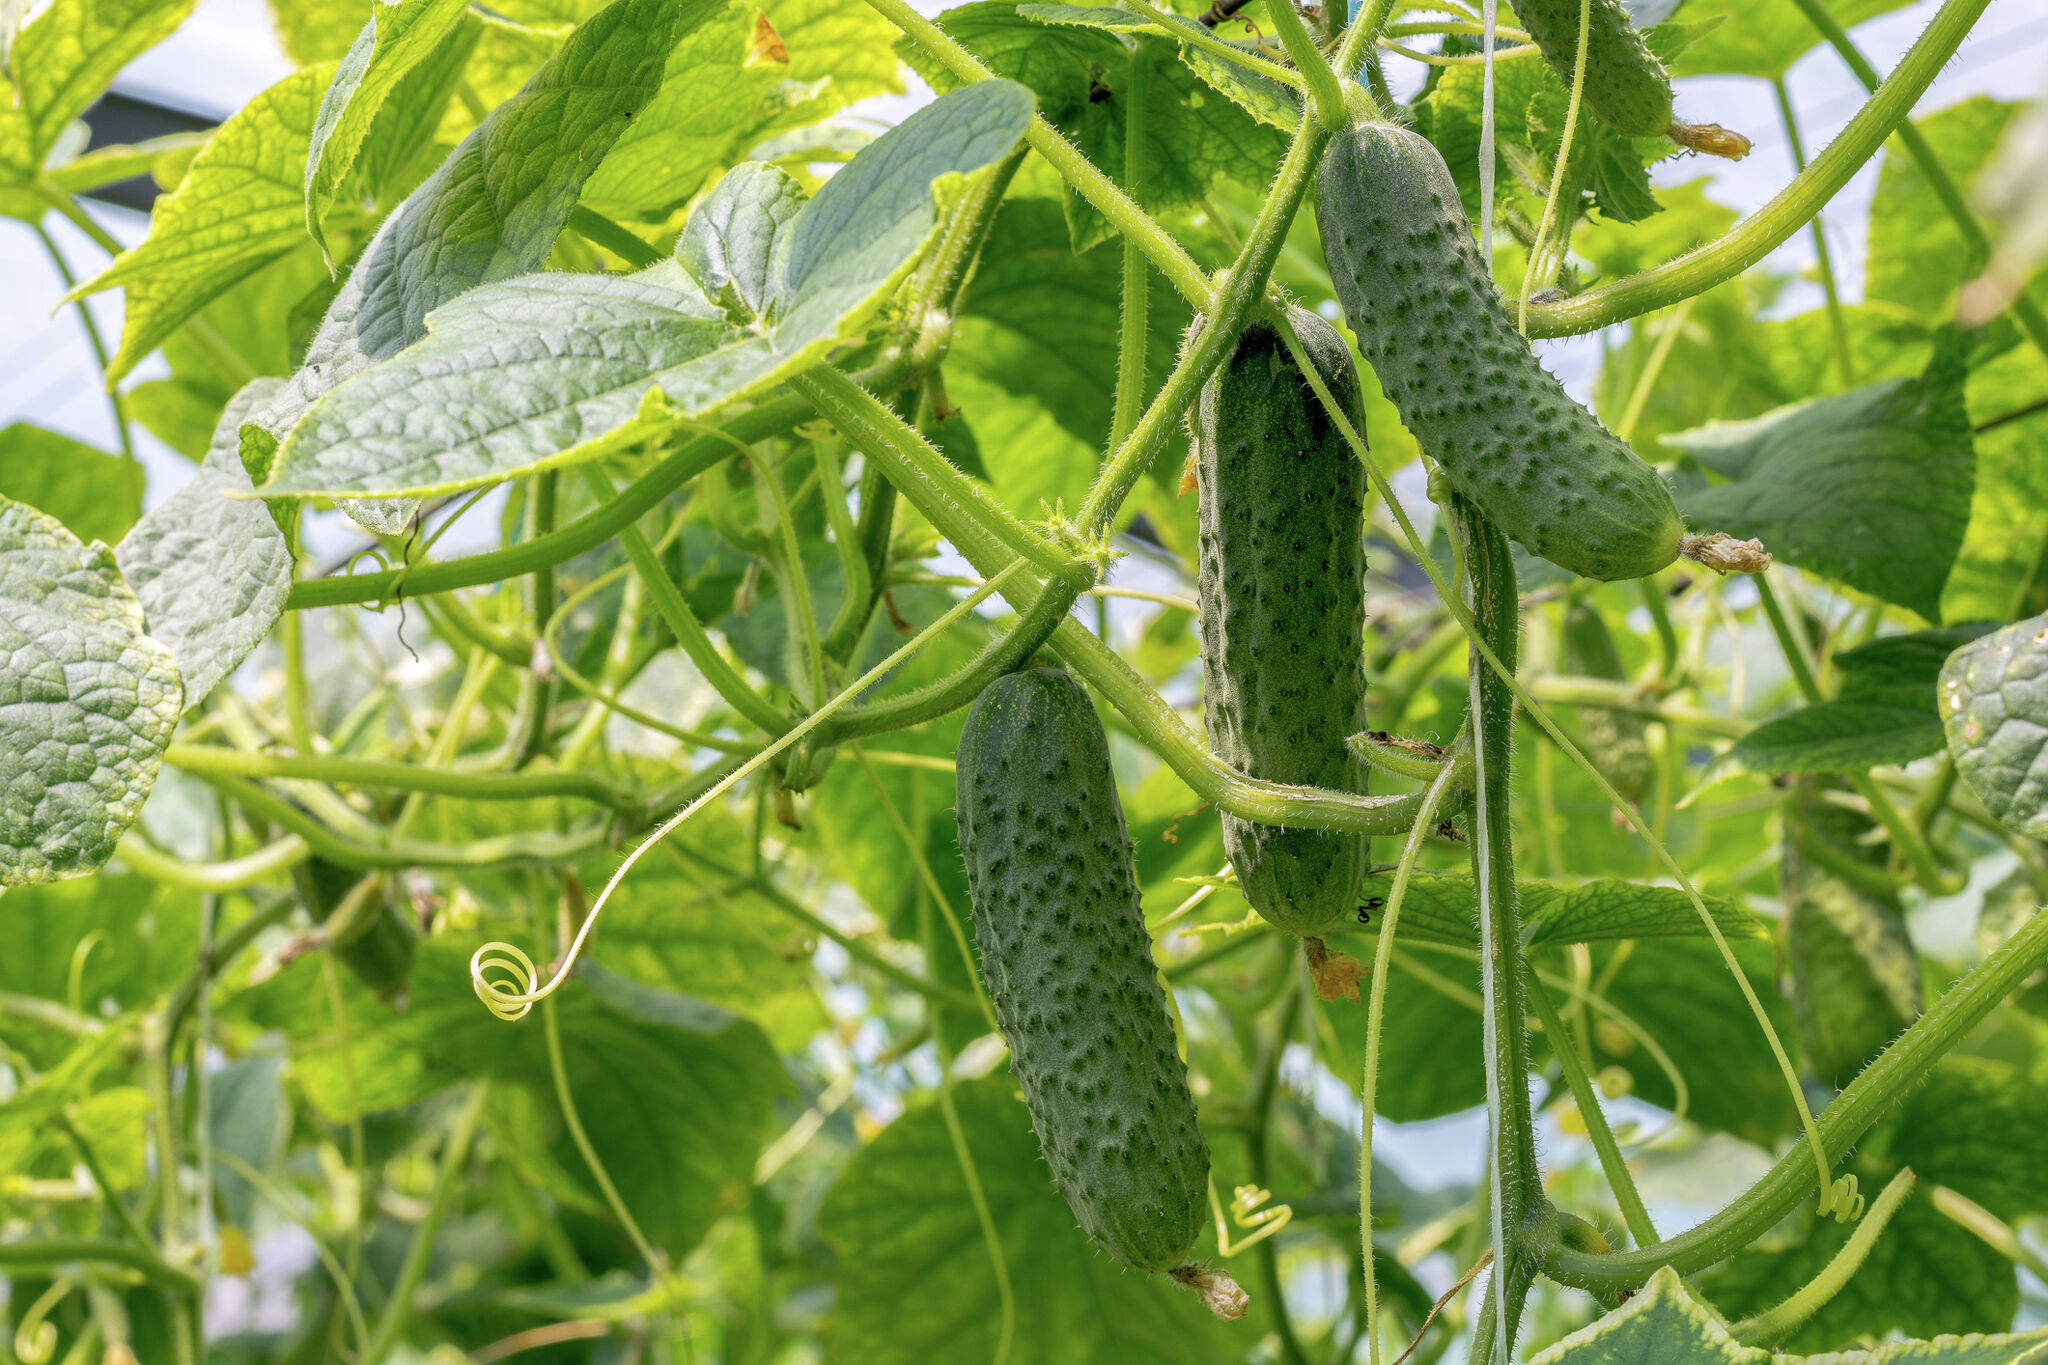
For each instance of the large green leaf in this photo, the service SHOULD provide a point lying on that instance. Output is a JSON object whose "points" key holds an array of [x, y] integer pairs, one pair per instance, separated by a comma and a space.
{"points": [[1264, 98], [913, 1275], [212, 572], [87, 701], [96, 495], [490, 211], [1975, 1126], [1994, 705], [241, 206], [1917, 254], [1665, 1324], [399, 35], [1443, 909], [1761, 38], [63, 58], [676, 1094], [726, 87], [555, 368], [1081, 77], [1870, 487]]}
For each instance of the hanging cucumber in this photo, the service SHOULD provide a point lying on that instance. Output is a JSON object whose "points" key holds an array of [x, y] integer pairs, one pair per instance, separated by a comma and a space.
{"points": [[1627, 88], [1069, 967], [1282, 587], [357, 923], [1481, 405]]}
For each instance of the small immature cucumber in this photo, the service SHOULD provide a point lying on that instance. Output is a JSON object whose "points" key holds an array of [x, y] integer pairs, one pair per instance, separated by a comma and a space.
{"points": [[1283, 607], [1614, 739], [1626, 86], [1482, 406], [375, 945], [1069, 966]]}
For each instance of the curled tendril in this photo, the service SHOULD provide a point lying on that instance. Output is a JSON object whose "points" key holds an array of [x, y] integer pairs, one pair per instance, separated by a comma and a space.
{"points": [[1842, 1200], [35, 1338], [511, 994], [1248, 1211]]}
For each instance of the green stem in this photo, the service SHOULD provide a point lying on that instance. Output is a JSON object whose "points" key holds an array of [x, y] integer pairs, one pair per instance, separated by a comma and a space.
{"points": [[1791, 643], [291, 636], [1766, 229], [1612, 1163], [1324, 94], [558, 1071], [1518, 1202], [801, 616], [1243, 288], [207, 760], [1994, 1231], [231, 875], [536, 847], [856, 594], [2024, 310], [1838, 325], [1808, 1298], [1880, 1085], [109, 1194], [1660, 617], [683, 622], [420, 1254], [52, 1252], [1131, 332], [224, 950], [92, 337], [1074, 167]]}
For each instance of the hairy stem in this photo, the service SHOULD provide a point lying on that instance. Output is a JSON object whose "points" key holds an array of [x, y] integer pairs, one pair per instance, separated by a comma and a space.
{"points": [[1612, 1164], [1763, 231]]}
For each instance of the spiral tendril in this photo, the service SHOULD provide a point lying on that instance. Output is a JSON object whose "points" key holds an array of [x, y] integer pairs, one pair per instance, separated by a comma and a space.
{"points": [[35, 1338], [1842, 1200], [510, 996], [1248, 1211]]}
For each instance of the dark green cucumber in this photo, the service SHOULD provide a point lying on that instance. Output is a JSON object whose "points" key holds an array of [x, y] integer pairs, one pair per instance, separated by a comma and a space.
{"points": [[1283, 607], [1481, 405], [377, 948], [1069, 966], [1626, 86], [1614, 739]]}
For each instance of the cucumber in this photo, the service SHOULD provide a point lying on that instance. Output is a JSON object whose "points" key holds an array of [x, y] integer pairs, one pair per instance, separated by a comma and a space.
{"points": [[376, 947], [1282, 585], [1069, 967], [1466, 383], [1626, 86], [1614, 739]]}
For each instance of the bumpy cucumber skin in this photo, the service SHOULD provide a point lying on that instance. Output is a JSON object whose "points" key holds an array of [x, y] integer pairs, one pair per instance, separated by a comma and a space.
{"points": [[1069, 966], [1448, 356], [1614, 739], [1282, 586], [381, 956], [1626, 86]]}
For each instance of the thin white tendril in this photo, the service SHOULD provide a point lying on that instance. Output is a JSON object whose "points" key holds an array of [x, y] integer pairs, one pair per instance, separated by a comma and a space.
{"points": [[513, 993], [1486, 22]]}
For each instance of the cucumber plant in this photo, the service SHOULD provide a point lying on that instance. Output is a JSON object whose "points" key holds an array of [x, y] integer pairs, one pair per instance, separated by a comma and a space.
{"points": [[600, 756]]}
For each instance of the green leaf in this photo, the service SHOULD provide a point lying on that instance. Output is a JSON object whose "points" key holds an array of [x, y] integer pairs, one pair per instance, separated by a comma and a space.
{"points": [[212, 572], [913, 1275], [96, 495], [1761, 38], [1918, 258], [1835, 737], [1665, 1324], [1432, 1046], [1443, 909], [728, 244], [87, 701], [727, 86], [1033, 359], [843, 41], [1976, 1126], [556, 368], [1870, 487], [1258, 94], [676, 1094], [400, 33], [1081, 76], [64, 58], [240, 207], [1994, 707], [490, 211], [2001, 572]]}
